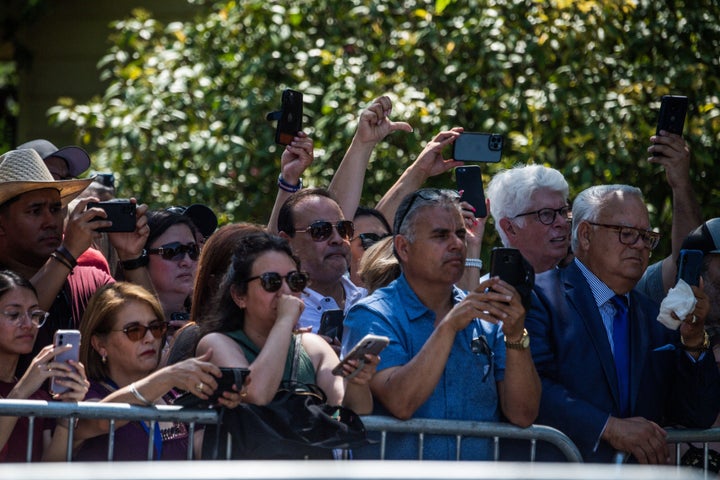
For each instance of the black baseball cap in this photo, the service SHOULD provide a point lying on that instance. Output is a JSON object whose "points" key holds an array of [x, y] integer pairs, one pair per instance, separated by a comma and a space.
{"points": [[705, 238], [77, 158], [201, 215]]}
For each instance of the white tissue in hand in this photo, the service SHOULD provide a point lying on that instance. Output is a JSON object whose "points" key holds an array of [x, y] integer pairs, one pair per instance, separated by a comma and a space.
{"points": [[681, 300]]}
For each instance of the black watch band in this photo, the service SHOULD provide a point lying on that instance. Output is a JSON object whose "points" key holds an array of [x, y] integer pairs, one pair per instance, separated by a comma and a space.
{"points": [[135, 263]]}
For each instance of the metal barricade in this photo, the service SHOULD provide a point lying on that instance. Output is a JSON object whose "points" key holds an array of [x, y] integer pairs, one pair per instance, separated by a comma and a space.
{"points": [[680, 436], [105, 411], [463, 428]]}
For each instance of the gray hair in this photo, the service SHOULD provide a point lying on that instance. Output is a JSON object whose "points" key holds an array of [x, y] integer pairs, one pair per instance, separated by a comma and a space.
{"points": [[509, 191], [590, 202], [407, 212]]}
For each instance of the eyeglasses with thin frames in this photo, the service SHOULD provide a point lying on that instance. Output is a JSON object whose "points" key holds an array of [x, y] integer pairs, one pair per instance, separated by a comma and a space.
{"points": [[322, 230], [176, 251], [546, 216], [272, 281], [629, 235], [37, 317], [136, 331]]}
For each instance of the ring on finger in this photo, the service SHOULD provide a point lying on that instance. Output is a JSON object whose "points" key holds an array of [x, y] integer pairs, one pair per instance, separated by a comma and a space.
{"points": [[200, 386], [694, 320]]}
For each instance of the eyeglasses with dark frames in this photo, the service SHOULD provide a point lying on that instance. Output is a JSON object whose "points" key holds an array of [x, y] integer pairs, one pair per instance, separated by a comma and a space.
{"points": [[37, 317], [322, 230], [426, 194], [630, 235], [546, 216], [272, 281], [176, 251], [367, 240], [136, 331]]}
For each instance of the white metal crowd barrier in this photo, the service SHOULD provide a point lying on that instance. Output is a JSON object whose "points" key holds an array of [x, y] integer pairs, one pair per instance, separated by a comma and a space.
{"points": [[459, 429], [464, 428]]}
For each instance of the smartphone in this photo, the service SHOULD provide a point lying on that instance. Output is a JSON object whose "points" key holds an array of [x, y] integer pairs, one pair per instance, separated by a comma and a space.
{"points": [[478, 147], [690, 264], [331, 324], [119, 211], [469, 180], [230, 376], [673, 109], [291, 113], [372, 344], [65, 337], [511, 266]]}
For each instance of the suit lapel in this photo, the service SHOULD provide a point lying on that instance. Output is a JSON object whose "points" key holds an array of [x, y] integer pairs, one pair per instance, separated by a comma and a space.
{"points": [[581, 300]]}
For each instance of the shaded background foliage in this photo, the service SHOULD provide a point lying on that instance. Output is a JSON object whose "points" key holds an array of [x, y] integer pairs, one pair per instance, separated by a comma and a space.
{"points": [[571, 84]]}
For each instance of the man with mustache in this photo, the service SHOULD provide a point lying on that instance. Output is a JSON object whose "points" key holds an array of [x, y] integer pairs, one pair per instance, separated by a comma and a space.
{"points": [[447, 356], [612, 375], [319, 235]]}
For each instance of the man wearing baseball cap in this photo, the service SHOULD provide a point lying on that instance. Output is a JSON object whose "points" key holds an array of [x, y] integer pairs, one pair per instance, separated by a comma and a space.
{"points": [[33, 244], [64, 163]]}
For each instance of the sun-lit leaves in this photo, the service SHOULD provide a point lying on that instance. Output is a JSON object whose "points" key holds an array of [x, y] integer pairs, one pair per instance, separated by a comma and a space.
{"points": [[574, 85]]}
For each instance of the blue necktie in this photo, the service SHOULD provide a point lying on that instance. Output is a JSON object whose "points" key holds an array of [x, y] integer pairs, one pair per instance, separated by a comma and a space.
{"points": [[621, 342]]}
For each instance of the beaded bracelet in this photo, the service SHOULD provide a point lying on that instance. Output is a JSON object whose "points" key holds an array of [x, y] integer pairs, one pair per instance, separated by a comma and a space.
{"points": [[283, 185]]}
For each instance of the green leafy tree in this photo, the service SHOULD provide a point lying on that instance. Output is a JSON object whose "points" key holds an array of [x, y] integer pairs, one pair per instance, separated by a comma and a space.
{"points": [[571, 84]]}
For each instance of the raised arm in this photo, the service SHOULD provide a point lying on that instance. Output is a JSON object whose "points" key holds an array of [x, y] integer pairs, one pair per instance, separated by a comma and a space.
{"points": [[674, 155], [374, 125], [294, 160], [429, 163]]}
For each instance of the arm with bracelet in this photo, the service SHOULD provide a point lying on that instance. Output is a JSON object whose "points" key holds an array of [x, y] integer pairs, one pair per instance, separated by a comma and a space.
{"points": [[294, 160]]}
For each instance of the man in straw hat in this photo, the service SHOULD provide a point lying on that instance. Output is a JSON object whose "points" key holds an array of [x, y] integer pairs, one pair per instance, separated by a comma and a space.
{"points": [[32, 242]]}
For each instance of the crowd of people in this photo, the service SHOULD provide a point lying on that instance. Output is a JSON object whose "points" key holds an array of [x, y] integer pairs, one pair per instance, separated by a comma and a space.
{"points": [[162, 308]]}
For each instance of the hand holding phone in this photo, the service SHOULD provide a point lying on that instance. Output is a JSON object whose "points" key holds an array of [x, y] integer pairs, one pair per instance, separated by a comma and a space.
{"points": [[62, 338], [469, 181], [372, 344], [230, 376]]}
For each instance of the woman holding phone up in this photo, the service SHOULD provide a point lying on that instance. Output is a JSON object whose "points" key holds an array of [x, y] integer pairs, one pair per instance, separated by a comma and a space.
{"points": [[20, 319]]}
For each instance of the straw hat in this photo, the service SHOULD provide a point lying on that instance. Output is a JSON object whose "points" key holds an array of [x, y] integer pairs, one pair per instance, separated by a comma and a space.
{"points": [[23, 171]]}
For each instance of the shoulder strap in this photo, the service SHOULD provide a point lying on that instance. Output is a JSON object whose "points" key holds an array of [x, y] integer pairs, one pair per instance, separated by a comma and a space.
{"points": [[295, 349]]}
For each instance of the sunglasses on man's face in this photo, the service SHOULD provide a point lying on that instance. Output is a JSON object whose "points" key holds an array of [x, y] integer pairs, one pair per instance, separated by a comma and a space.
{"points": [[322, 230], [272, 281], [367, 240], [136, 331], [176, 251]]}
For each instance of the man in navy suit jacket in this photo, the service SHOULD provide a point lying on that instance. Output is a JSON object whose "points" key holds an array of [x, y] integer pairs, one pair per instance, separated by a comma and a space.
{"points": [[672, 379]]}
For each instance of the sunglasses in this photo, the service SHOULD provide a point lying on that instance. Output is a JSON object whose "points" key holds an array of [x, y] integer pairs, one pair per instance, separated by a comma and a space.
{"points": [[322, 230], [367, 240], [272, 281], [136, 332], [176, 251], [428, 195]]}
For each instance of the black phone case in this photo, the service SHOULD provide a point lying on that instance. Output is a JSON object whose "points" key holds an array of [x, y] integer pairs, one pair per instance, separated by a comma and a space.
{"points": [[331, 324], [469, 180], [511, 266], [121, 212], [478, 147], [291, 113], [673, 109], [230, 377], [690, 264]]}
